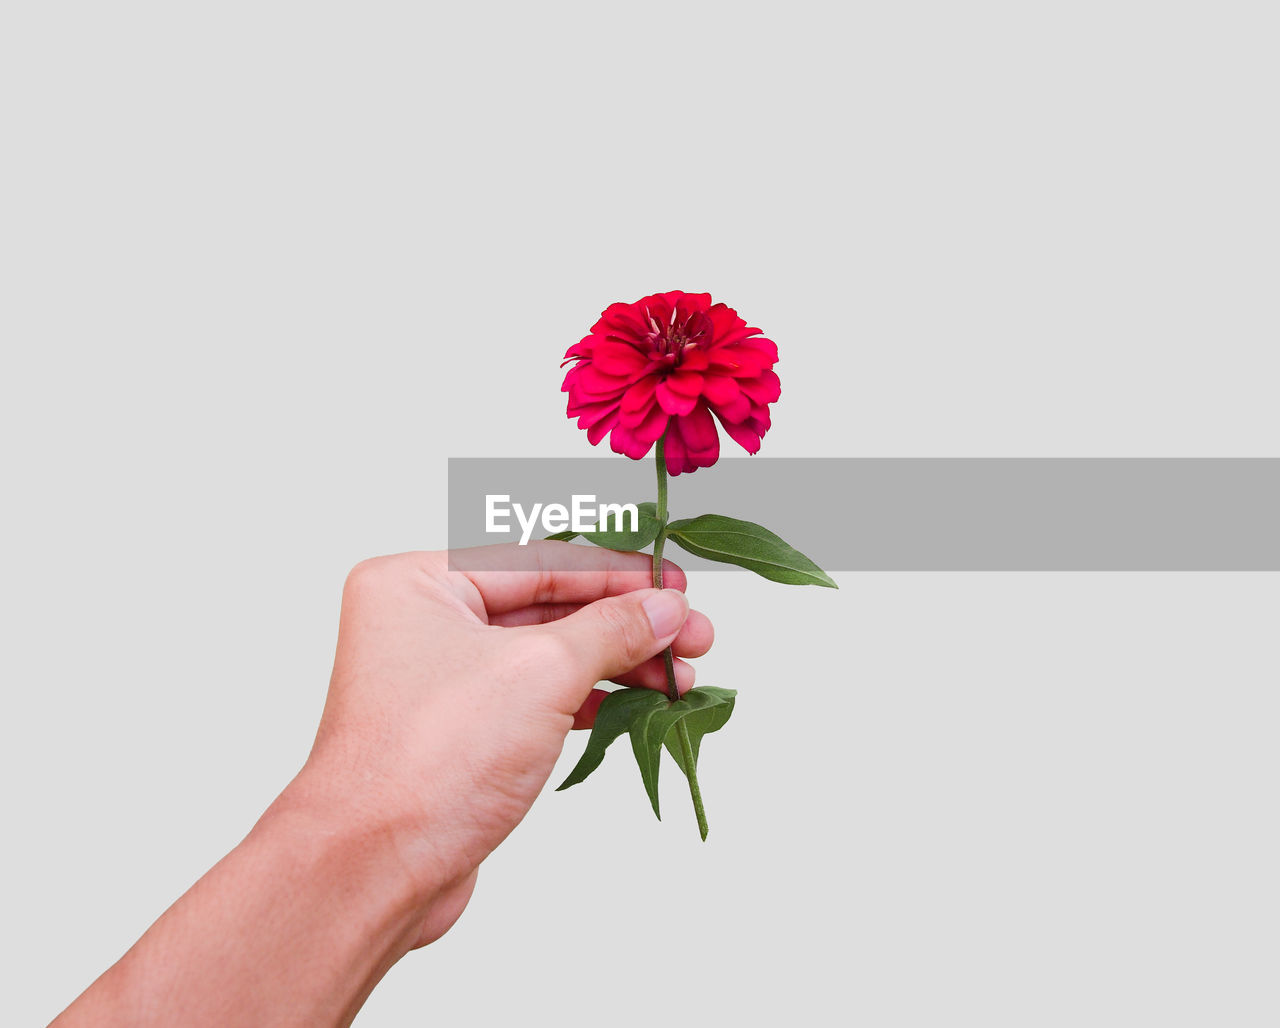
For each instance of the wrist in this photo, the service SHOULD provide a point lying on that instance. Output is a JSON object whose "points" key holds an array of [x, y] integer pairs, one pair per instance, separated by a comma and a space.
{"points": [[353, 863], [342, 830]]}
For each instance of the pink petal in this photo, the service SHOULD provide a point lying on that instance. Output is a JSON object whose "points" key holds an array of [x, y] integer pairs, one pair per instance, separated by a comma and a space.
{"points": [[680, 459], [622, 319], [694, 359], [737, 335], [589, 380], [737, 361], [744, 436], [764, 388], [651, 428], [720, 389], [640, 395], [601, 428], [589, 411], [737, 409], [698, 433], [725, 320], [686, 383], [617, 358], [673, 402], [674, 451], [767, 348], [625, 442], [689, 304], [582, 348], [656, 308], [633, 419]]}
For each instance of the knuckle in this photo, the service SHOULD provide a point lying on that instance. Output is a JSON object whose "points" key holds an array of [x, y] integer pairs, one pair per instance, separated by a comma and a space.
{"points": [[375, 576], [366, 573], [379, 571]]}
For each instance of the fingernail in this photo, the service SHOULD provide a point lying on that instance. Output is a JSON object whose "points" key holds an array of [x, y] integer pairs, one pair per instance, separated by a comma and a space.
{"points": [[666, 612]]}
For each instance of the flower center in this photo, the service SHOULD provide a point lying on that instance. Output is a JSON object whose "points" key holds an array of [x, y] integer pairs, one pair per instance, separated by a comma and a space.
{"points": [[670, 339]]}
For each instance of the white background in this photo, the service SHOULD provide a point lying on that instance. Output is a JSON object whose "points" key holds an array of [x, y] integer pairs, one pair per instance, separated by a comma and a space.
{"points": [[265, 266]]}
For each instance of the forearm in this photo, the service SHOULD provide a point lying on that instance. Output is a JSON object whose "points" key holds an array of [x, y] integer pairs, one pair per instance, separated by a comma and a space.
{"points": [[295, 926]]}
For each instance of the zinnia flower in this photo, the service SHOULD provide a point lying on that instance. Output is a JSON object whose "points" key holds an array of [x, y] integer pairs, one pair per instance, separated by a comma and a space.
{"points": [[667, 363]]}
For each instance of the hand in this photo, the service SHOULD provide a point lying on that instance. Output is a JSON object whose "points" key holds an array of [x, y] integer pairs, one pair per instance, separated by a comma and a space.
{"points": [[452, 693], [451, 697]]}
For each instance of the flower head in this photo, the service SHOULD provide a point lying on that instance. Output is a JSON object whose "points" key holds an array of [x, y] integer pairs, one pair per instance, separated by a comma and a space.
{"points": [[667, 363]]}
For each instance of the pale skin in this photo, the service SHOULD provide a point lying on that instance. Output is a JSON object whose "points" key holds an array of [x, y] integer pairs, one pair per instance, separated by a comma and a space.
{"points": [[451, 697]]}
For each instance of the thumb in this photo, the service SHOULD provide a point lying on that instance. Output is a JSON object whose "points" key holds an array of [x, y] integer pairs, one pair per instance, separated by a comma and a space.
{"points": [[617, 633]]}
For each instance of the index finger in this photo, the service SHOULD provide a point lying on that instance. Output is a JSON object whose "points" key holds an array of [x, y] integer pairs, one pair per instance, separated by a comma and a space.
{"points": [[510, 577]]}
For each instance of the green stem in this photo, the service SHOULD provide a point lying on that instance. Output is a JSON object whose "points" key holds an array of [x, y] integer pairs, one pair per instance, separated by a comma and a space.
{"points": [[673, 691], [686, 748]]}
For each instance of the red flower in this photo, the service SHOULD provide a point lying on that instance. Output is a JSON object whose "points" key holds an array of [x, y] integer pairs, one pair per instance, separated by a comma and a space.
{"points": [[666, 364]]}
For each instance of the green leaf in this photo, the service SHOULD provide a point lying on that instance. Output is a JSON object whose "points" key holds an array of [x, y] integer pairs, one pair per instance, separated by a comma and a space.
{"points": [[650, 718], [562, 537], [748, 545], [701, 722], [647, 527], [652, 725], [646, 532], [614, 717]]}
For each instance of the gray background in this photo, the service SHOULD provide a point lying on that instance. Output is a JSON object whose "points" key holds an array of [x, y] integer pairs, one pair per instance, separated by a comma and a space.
{"points": [[266, 266], [915, 514]]}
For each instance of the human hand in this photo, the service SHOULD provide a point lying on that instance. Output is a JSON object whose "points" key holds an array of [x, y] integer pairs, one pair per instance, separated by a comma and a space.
{"points": [[452, 694]]}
